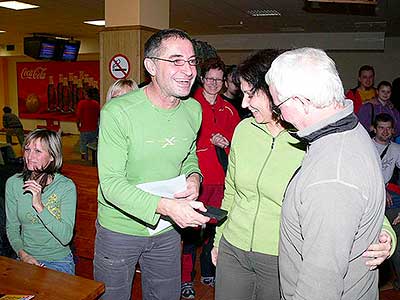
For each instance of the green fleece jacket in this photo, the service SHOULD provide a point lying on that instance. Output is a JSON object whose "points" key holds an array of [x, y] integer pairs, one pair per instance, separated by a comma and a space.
{"points": [[45, 235], [260, 166], [259, 170], [140, 143]]}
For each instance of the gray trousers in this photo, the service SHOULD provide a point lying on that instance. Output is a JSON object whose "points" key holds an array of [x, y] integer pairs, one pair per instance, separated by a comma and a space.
{"points": [[391, 214], [116, 256], [245, 275], [19, 132]]}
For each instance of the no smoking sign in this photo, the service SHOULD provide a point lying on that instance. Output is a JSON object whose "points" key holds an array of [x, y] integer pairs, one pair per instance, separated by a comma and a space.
{"points": [[119, 66]]}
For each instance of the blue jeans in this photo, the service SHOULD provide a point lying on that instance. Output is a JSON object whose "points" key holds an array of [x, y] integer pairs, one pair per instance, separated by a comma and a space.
{"points": [[65, 265], [87, 137], [116, 255]]}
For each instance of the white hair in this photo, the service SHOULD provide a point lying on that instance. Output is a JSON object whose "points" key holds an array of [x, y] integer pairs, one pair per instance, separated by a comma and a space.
{"points": [[116, 88], [306, 72]]}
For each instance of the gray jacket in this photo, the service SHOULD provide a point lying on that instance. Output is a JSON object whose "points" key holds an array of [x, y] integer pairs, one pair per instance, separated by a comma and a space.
{"points": [[333, 210]]}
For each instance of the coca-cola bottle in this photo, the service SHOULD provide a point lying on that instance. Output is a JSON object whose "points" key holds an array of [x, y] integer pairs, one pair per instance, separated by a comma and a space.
{"points": [[51, 95], [74, 92], [66, 96], [70, 79], [79, 91], [96, 88], [86, 81], [59, 92], [90, 79]]}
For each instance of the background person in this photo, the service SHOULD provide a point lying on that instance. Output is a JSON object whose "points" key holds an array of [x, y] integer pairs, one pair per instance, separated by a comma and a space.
{"points": [[383, 104], [148, 135], [87, 115], [219, 119], [232, 92], [121, 87], [41, 205], [390, 156], [13, 126], [364, 91]]}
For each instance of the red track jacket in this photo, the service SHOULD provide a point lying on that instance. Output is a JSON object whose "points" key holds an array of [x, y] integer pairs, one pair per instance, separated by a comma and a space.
{"points": [[221, 118]]}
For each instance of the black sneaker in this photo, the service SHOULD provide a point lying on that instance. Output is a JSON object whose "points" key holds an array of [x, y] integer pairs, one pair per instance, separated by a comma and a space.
{"points": [[187, 290], [210, 281], [396, 285]]}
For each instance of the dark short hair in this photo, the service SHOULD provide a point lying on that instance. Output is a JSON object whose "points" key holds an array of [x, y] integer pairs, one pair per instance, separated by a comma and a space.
{"points": [[254, 68], [383, 117], [366, 68], [384, 83], [212, 63], [7, 109], [233, 71], [153, 44], [93, 94], [230, 69]]}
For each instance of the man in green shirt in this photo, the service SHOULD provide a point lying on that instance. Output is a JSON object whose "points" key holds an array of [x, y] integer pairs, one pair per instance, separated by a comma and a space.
{"points": [[148, 135]]}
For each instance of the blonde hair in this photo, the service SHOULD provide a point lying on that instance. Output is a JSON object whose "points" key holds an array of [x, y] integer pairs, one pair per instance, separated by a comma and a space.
{"points": [[119, 86]]}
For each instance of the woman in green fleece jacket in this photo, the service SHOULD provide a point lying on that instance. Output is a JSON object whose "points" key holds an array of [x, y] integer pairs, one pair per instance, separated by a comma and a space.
{"points": [[262, 160], [41, 205]]}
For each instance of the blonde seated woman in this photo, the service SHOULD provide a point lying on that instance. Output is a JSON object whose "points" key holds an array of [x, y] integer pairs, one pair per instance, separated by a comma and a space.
{"points": [[41, 205], [121, 87]]}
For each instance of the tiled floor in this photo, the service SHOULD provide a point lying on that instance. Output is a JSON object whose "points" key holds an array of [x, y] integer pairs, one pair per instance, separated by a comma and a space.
{"points": [[71, 155]]}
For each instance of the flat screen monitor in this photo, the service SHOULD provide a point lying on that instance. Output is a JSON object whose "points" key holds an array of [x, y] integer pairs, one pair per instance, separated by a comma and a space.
{"points": [[40, 47], [70, 51], [47, 50]]}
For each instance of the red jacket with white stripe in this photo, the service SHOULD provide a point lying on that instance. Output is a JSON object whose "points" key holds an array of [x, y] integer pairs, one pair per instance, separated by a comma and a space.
{"points": [[221, 118]]}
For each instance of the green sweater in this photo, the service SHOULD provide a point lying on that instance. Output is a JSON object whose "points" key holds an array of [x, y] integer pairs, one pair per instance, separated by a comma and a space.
{"points": [[140, 143], [259, 169], [45, 235]]}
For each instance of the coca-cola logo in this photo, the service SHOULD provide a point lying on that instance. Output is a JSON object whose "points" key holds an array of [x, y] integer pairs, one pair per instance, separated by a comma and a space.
{"points": [[38, 73]]}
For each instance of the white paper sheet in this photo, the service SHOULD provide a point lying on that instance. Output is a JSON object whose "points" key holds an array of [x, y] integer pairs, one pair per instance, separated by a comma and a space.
{"points": [[166, 189]]}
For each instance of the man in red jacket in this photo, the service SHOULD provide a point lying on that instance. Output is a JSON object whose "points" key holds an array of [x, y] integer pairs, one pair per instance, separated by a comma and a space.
{"points": [[219, 119], [87, 115], [365, 90]]}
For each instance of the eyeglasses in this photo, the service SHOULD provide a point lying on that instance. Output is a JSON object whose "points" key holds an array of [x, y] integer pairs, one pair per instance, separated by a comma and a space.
{"points": [[211, 80], [276, 109], [179, 62]]}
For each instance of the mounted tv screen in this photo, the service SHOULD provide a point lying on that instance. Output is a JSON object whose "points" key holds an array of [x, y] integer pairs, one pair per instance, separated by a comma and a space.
{"points": [[40, 47], [47, 50], [70, 50]]}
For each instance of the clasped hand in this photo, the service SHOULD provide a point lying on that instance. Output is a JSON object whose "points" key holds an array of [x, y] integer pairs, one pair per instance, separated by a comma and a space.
{"points": [[36, 189], [219, 140]]}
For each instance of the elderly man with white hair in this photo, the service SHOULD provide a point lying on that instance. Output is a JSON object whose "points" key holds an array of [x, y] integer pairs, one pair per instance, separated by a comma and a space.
{"points": [[334, 205]]}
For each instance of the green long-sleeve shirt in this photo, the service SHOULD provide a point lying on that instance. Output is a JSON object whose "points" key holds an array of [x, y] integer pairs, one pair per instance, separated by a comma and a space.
{"points": [[139, 143], [45, 235]]}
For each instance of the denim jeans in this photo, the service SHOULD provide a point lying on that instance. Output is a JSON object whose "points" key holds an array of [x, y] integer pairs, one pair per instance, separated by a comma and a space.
{"points": [[115, 258], [87, 137], [65, 265]]}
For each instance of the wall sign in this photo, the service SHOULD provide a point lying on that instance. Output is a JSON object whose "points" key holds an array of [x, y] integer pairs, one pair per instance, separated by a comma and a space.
{"points": [[119, 66]]}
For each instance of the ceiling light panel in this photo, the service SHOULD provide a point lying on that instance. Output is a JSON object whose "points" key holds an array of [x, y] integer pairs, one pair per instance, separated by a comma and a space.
{"points": [[16, 5], [96, 22], [263, 12]]}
